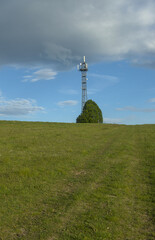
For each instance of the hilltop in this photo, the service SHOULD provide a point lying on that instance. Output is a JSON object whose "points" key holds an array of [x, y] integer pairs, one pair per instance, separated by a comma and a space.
{"points": [[76, 181]]}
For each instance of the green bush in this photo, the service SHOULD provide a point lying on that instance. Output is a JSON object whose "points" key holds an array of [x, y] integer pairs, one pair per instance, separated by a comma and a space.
{"points": [[91, 113]]}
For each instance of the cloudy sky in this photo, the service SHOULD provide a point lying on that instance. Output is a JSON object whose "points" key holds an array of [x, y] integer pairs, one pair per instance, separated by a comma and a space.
{"points": [[42, 41]]}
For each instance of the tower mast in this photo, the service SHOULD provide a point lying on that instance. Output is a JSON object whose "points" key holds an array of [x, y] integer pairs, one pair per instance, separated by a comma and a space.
{"points": [[83, 67]]}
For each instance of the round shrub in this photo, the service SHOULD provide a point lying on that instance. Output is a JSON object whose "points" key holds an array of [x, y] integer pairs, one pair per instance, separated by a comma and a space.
{"points": [[91, 113]]}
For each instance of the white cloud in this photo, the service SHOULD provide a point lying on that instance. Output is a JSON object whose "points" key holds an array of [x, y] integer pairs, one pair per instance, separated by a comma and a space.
{"points": [[18, 107], [58, 33], [151, 100], [67, 103], [42, 74], [134, 109]]}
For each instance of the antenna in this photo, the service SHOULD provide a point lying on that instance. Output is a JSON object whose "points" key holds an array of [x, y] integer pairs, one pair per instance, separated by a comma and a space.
{"points": [[83, 67]]}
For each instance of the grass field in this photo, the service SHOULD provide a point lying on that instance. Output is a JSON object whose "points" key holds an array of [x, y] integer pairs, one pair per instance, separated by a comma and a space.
{"points": [[76, 181]]}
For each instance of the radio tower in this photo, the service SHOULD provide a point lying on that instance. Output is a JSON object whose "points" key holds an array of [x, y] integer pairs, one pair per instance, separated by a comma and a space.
{"points": [[83, 67]]}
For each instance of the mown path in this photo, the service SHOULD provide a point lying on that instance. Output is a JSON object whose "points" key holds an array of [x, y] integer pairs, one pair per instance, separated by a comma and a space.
{"points": [[70, 181]]}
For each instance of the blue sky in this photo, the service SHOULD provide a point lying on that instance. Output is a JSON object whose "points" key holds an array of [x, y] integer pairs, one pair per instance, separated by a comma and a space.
{"points": [[43, 41]]}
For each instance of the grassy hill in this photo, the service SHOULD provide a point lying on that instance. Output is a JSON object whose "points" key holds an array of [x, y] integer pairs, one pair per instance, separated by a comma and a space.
{"points": [[76, 181]]}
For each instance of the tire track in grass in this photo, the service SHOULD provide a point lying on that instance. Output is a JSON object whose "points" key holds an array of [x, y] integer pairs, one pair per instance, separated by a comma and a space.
{"points": [[36, 212], [76, 200], [89, 198], [103, 195], [55, 210], [122, 215]]}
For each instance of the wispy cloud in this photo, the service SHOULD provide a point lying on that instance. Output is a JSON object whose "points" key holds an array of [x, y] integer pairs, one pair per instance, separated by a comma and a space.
{"points": [[135, 109], [92, 91], [69, 91], [151, 100], [67, 103], [100, 82], [110, 78], [113, 120], [42, 74], [18, 107]]}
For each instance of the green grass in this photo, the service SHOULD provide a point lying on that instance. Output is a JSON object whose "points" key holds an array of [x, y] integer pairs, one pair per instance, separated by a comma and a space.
{"points": [[76, 181]]}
